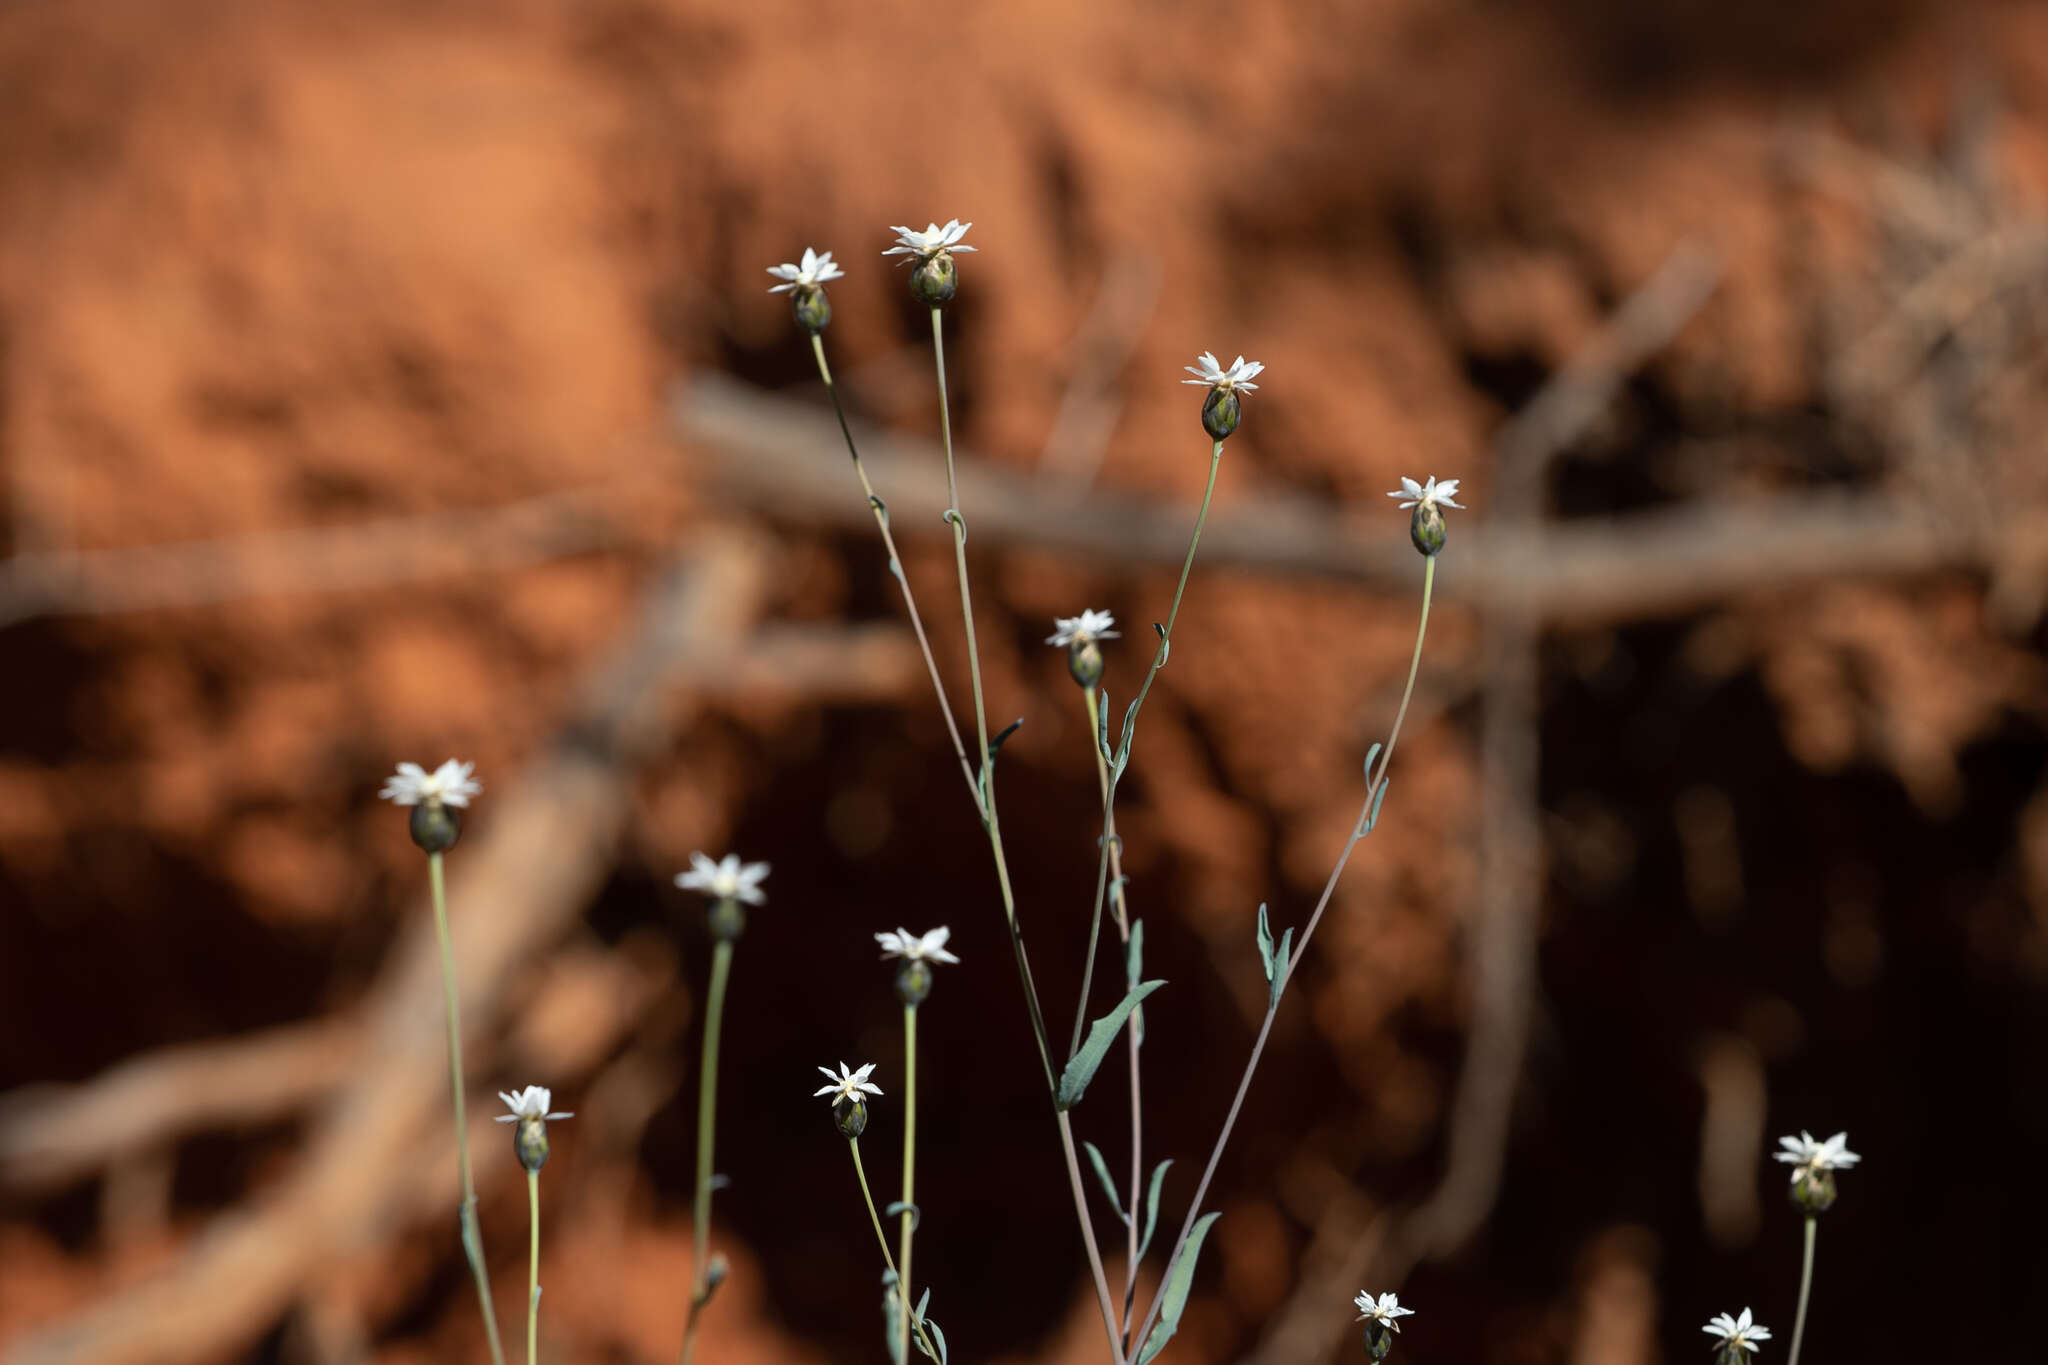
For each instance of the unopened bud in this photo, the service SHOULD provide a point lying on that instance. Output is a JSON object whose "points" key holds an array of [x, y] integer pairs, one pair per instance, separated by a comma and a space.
{"points": [[934, 279], [913, 981], [1379, 1339], [1426, 527], [850, 1117], [530, 1141], [726, 920], [434, 826], [1813, 1191], [1084, 662], [813, 309], [1220, 412]]}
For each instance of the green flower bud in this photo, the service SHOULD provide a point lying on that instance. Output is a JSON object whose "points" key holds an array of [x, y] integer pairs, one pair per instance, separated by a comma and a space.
{"points": [[726, 920], [1084, 662], [1426, 527], [850, 1116], [434, 826], [1813, 1191], [530, 1141], [1220, 413], [1379, 1339], [913, 981], [813, 309], [934, 279]]}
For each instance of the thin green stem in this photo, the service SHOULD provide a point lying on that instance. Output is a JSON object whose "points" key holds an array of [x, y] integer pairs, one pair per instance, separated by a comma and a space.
{"points": [[472, 1239], [1134, 1031], [909, 1157], [707, 1131], [882, 1240], [532, 1265], [1805, 1287], [959, 525], [881, 511], [1359, 830]]}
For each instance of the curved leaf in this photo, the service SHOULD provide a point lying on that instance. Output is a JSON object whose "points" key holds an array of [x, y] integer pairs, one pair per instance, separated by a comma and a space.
{"points": [[1081, 1067], [1152, 1207], [1108, 1185], [1176, 1291]]}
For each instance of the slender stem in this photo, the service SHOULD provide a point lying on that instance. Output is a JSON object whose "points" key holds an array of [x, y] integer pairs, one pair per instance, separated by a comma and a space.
{"points": [[1805, 1286], [472, 1240], [532, 1264], [1358, 831], [909, 1157], [707, 1131], [882, 1240], [881, 512], [1134, 1031], [959, 524]]}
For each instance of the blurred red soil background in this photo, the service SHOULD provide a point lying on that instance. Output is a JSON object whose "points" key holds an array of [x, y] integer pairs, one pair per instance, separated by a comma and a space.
{"points": [[1721, 813]]}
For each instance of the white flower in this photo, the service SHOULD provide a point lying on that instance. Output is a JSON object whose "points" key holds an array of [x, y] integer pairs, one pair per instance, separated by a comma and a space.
{"points": [[1738, 1332], [530, 1103], [1438, 493], [1214, 376], [848, 1085], [450, 784], [1808, 1157], [1089, 625], [726, 880], [816, 269], [930, 242], [902, 943], [1385, 1309]]}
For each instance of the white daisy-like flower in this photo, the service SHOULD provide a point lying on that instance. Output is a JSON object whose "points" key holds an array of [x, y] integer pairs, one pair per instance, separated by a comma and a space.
{"points": [[930, 242], [1741, 1332], [1385, 1308], [848, 1085], [530, 1103], [1089, 625], [904, 944], [1808, 1157], [1433, 492], [1238, 375], [450, 784], [728, 879], [815, 269]]}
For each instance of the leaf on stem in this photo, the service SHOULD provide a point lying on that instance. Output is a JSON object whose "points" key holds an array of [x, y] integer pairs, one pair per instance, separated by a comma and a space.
{"points": [[1081, 1067], [1370, 755], [1277, 974], [1265, 943], [899, 1207], [996, 744], [1108, 1185], [1176, 1291], [1152, 1207], [892, 1316]]}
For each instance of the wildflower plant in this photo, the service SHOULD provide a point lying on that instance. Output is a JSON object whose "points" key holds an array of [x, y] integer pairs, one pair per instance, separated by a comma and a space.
{"points": [[1068, 1070], [530, 1110], [1813, 1193]]}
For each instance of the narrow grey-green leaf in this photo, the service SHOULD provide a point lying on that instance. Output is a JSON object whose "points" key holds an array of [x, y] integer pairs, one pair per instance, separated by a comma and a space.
{"points": [[938, 1339], [1176, 1291], [1134, 955], [1152, 1207], [1108, 1185], [881, 509], [996, 744], [1080, 1068], [1102, 725], [899, 1207], [892, 1316], [923, 1301], [1278, 974], [1370, 755], [1265, 943], [1123, 747], [1378, 797]]}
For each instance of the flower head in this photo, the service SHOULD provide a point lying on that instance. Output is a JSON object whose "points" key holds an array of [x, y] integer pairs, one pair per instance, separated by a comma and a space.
{"points": [[1808, 1157], [930, 242], [1385, 1308], [530, 1103], [450, 784], [1432, 493], [1738, 1333], [1214, 376], [848, 1085], [904, 944], [1089, 625], [816, 269], [728, 879]]}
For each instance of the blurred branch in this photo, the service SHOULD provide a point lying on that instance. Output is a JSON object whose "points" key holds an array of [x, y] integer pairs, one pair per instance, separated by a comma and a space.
{"points": [[51, 1135], [779, 456], [541, 852]]}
